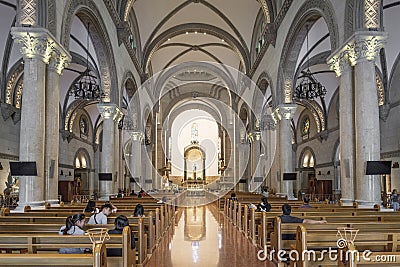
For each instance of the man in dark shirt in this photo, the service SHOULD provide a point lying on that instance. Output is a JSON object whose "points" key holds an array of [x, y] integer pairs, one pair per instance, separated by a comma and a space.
{"points": [[287, 218]]}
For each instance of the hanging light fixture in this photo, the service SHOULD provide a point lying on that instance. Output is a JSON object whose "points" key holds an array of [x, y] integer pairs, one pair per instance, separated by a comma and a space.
{"points": [[87, 87], [309, 87]]}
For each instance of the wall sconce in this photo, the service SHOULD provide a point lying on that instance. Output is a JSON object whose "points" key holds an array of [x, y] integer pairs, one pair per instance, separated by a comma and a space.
{"points": [[319, 172], [328, 173], [61, 173], [1, 167], [69, 174]]}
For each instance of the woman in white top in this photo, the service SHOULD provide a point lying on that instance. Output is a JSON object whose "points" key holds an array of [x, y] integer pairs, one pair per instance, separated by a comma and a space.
{"points": [[73, 226]]}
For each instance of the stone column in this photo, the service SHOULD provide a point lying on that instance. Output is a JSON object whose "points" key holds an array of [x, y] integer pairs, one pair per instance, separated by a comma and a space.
{"points": [[269, 140], [340, 64], [367, 132], [284, 113], [37, 46], [52, 124], [110, 114], [136, 158], [256, 162]]}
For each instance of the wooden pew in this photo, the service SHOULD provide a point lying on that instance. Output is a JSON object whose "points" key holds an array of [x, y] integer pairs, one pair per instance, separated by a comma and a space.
{"points": [[378, 241], [45, 242], [97, 259]]}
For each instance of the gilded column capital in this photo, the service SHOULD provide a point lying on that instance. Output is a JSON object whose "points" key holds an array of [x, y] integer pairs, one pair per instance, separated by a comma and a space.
{"points": [[34, 42], [339, 62], [365, 46], [110, 111], [285, 111], [136, 136], [40, 43], [362, 45]]}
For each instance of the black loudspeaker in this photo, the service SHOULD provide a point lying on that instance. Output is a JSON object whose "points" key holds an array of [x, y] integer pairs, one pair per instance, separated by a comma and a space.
{"points": [[347, 168], [378, 167], [131, 180], [105, 176], [51, 169], [23, 168], [289, 176], [242, 181]]}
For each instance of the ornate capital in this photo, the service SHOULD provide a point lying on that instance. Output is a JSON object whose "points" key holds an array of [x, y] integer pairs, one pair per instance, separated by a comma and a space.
{"points": [[339, 62], [285, 111], [270, 122], [136, 136], [365, 46], [40, 43], [362, 45], [110, 111], [59, 61]]}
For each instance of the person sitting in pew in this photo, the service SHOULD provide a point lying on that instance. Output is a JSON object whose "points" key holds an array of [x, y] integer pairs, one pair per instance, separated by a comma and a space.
{"points": [[73, 226], [120, 222], [91, 207], [101, 217], [139, 211], [287, 218], [264, 205], [306, 204]]}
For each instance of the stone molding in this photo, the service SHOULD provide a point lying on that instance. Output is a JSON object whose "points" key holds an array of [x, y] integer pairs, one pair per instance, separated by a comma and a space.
{"points": [[40, 43], [361, 46]]}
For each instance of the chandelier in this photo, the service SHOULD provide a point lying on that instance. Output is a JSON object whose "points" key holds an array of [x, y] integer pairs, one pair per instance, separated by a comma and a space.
{"points": [[309, 87], [87, 87]]}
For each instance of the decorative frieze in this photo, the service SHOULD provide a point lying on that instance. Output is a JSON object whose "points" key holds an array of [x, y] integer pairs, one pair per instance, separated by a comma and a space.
{"points": [[28, 12]]}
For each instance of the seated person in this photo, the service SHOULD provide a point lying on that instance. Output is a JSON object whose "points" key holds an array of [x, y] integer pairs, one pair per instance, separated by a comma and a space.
{"points": [[162, 200], [306, 204], [139, 211], [287, 218], [120, 222], [264, 205], [133, 193], [101, 217], [91, 207], [233, 196], [73, 226]]}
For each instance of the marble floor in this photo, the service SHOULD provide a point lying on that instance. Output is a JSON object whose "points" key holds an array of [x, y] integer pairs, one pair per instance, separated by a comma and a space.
{"points": [[202, 236]]}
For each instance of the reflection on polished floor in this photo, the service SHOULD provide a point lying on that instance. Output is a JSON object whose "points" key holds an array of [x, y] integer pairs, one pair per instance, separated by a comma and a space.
{"points": [[203, 237]]}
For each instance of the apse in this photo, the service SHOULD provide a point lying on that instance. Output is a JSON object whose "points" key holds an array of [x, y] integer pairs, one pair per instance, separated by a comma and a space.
{"points": [[189, 126]]}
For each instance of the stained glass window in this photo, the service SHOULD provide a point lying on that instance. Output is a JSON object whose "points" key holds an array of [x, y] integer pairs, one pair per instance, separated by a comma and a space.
{"points": [[305, 128]]}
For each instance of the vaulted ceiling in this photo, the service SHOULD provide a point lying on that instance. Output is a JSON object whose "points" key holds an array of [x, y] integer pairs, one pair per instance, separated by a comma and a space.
{"points": [[176, 31]]}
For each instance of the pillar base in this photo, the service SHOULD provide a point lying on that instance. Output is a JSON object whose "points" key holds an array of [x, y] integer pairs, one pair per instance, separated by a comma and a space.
{"points": [[53, 201], [105, 197], [347, 201], [33, 205], [366, 203]]}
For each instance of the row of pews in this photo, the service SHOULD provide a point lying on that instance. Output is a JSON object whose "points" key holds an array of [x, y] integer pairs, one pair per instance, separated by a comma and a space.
{"points": [[31, 237], [378, 235]]}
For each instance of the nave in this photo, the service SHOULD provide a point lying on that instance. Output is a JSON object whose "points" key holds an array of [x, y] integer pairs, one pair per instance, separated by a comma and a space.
{"points": [[203, 236]]}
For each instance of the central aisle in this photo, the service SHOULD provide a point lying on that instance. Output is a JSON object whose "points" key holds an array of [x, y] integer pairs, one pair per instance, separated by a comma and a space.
{"points": [[204, 237]]}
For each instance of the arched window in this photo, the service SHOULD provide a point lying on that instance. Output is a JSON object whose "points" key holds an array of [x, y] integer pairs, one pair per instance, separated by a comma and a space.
{"points": [[308, 160]]}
